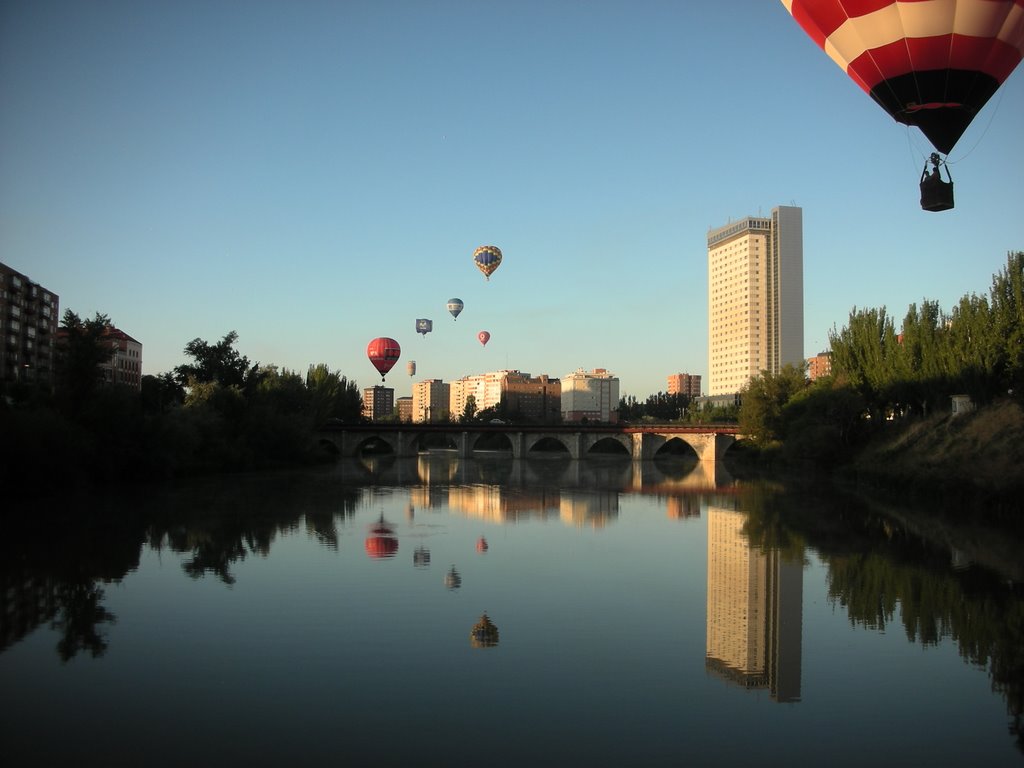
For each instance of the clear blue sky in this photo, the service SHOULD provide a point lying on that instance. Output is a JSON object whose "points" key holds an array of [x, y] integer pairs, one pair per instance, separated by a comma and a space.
{"points": [[315, 174]]}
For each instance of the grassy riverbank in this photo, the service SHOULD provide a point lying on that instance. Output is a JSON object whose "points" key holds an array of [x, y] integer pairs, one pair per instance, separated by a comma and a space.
{"points": [[974, 460]]}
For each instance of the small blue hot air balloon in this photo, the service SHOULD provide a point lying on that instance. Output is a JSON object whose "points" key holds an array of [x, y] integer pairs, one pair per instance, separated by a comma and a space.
{"points": [[455, 307]]}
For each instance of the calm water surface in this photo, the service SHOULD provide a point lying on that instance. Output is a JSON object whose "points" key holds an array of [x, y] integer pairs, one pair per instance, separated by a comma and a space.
{"points": [[636, 614]]}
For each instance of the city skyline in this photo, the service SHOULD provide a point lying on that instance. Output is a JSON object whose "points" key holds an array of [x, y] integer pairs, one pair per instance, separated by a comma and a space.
{"points": [[316, 178]]}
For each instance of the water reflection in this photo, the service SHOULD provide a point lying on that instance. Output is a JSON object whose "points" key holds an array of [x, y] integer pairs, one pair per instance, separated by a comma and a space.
{"points": [[484, 634], [754, 609], [881, 571]]}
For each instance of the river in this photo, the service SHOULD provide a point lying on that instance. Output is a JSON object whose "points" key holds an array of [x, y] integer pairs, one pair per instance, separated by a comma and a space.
{"points": [[542, 612]]}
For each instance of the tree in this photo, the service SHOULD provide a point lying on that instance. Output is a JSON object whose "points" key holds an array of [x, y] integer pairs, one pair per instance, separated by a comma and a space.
{"points": [[220, 363], [81, 351], [763, 399], [864, 354], [469, 411], [1007, 302], [161, 393], [332, 395]]}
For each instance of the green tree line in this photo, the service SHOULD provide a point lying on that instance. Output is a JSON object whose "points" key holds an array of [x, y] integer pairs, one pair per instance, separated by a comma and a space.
{"points": [[881, 373], [217, 412]]}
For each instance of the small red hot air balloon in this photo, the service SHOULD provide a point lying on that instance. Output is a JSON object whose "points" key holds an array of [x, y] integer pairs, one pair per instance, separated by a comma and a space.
{"points": [[383, 353], [483, 337]]}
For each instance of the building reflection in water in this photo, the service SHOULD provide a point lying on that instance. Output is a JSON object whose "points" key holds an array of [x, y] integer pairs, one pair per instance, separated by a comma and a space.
{"points": [[683, 507], [754, 610]]}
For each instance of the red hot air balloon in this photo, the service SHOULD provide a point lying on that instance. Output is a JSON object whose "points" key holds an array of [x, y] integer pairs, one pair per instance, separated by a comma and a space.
{"points": [[383, 353], [930, 64], [483, 337]]}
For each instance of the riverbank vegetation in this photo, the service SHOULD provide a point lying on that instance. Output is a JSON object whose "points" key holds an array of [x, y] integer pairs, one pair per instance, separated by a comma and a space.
{"points": [[216, 413], [885, 415]]}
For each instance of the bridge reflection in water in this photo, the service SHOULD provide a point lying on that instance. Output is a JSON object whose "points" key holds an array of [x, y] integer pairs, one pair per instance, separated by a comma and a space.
{"points": [[498, 488]]}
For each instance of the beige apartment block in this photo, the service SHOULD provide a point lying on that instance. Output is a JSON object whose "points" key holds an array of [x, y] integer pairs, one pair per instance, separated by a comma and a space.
{"points": [[755, 298]]}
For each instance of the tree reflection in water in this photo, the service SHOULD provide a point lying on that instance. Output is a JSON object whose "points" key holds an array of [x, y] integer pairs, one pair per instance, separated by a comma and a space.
{"points": [[53, 568], [881, 572]]}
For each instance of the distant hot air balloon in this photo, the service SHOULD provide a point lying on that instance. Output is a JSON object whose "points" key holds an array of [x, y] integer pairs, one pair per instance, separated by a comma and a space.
{"points": [[410, 367], [455, 307], [483, 337], [383, 353], [929, 64], [487, 258], [424, 326]]}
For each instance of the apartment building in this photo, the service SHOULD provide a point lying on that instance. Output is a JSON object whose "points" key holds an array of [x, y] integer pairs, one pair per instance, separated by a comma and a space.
{"points": [[755, 298], [590, 396], [29, 316]]}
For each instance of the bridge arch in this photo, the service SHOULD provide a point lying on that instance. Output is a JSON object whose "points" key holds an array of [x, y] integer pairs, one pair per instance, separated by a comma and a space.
{"points": [[604, 444], [540, 441]]}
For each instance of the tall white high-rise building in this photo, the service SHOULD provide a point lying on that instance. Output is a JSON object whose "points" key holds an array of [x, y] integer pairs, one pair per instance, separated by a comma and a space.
{"points": [[755, 298]]}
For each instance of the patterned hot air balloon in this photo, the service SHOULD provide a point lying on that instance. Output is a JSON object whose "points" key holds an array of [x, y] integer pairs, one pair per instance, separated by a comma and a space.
{"points": [[424, 326], [929, 63], [383, 353], [487, 258], [483, 337], [455, 307]]}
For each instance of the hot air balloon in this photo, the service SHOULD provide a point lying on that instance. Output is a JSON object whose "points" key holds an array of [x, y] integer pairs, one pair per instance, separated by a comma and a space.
{"points": [[929, 64], [455, 307], [487, 258], [383, 353], [424, 326], [483, 337], [410, 367]]}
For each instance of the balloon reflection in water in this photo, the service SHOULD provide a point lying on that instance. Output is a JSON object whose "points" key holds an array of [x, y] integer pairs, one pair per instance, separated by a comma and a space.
{"points": [[382, 541], [421, 557], [484, 634], [452, 579], [481, 544]]}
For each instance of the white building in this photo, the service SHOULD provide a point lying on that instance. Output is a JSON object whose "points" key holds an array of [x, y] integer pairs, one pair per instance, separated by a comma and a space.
{"points": [[486, 390], [755, 298], [430, 401], [125, 363], [592, 396]]}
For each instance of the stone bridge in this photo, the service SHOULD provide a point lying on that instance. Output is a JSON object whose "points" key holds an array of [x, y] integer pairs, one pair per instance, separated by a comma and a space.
{"points": [[708, 441]]}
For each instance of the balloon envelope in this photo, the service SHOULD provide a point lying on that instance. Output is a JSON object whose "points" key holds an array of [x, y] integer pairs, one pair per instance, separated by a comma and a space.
{"points": [[424, 326], [383, 353], [487, 258], [929, 64], [483, 337], [455, 307]]}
